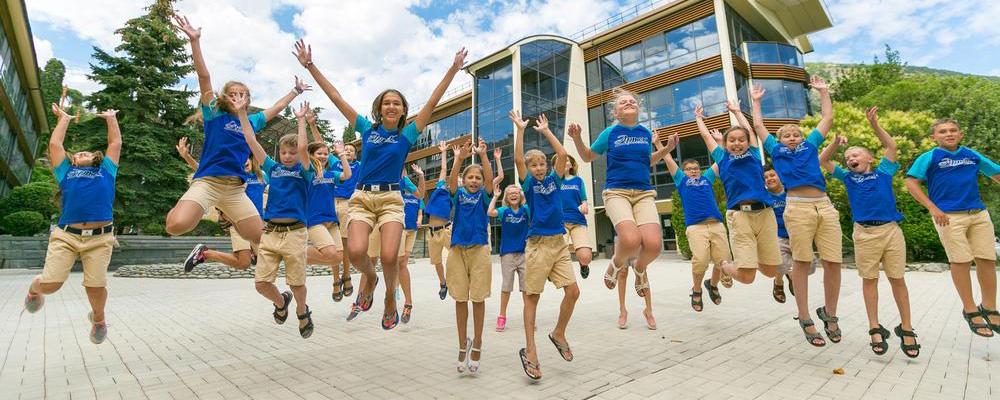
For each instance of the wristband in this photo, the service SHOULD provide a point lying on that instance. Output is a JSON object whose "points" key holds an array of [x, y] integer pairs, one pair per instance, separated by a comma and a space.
{"points": [[297, 90]]}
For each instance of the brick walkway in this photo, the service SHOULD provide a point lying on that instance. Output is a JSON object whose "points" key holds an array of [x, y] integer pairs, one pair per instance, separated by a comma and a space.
{"points": [[214, 339]]}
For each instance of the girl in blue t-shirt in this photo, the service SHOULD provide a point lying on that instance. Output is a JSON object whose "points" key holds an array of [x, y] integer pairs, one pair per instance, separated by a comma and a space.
{"points": [[85, 229], [219, 180], [628, 194], [573, 193], [469, 267], [243, 255], [810, 217], [377, 204], [960, 217], [321, 218], [513, 217], [285, 234]]}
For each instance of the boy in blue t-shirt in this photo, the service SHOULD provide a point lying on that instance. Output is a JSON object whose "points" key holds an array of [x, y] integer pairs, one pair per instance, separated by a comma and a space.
{"points": [[877, 236], [960, 217], [706, 234], [547, 256]]}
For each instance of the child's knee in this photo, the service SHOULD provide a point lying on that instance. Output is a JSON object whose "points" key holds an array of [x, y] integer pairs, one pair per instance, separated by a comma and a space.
{"points": [[262, 287], [49, 287], [895, 282], [629, 240], [572, 292]]}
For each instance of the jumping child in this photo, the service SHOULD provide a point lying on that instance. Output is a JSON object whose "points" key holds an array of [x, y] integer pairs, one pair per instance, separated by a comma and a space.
{"points": [[513, 216], [322, 224], [439, 221], [413, 211], [85, 229], [573, 192]]}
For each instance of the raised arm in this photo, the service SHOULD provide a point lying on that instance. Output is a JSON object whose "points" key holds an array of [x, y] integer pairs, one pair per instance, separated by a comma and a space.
{"points": [[284, 101], [194, 37], [826, 157], [758, 115], [424, 116], [303, 53], [313, 129], [706, 136], [302, 142], [883, 136], [734, 108], [583, 149], [487, 168], [497, 153], [667, 157], [542, 126], [184, 150], [825, 104], [240, 102], [461, 152], [443, 148], [913, 186], [57, 153], [421, 181], [519, 125], [345, 165], [114, 150], [497, 195], [659, 153]]}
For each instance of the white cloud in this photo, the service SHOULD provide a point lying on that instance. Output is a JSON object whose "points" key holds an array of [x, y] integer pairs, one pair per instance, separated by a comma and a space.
{"points": [[994, 72], [94, 20], [43, 51], [76, 78]]}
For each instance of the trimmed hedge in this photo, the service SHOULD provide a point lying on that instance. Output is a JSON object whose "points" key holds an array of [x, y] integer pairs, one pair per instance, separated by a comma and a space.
{"points": [[25, 223]]}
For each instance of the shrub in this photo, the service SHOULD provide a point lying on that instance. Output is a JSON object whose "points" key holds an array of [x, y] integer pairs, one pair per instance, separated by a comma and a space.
{"points": [[922, 242], [677, 222], [25, 223], [206, 228], [154, 228], [35, 196]]}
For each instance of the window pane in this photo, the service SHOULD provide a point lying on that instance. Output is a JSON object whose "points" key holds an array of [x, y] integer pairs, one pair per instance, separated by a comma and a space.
{"points": [[654, 45], [789, 55], [631, 54], [593, 77], [686, 95], [773, 103], [704, 32]]}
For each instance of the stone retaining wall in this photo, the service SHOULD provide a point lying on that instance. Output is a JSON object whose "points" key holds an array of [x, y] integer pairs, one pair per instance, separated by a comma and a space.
{"points": [[29, 252]]}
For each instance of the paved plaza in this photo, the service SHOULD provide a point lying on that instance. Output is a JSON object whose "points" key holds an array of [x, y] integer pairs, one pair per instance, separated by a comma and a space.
{"points": [[215, 339]]}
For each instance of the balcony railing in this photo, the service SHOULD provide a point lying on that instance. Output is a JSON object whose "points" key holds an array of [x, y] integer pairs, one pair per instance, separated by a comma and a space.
{"points": [[774, 53]]}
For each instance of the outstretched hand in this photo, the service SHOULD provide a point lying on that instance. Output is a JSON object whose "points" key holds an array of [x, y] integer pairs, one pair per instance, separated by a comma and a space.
{"points": [[757, 92], [574, 131], [497, 152], [459, 60], [108, 114], [717, 135], [301, 86], [185, 26], [496, 185], [463, 151], [416, 168], [182, 147], [443, 146], [840, 141], [872, 115], [303, 53], [240, 102], [515, 117], [310, 116], [818, 83], [672, 142], [303, 109], [481, 148], [542, 124], [733, 105], [699, 112], [339, 148], [60, 112]]}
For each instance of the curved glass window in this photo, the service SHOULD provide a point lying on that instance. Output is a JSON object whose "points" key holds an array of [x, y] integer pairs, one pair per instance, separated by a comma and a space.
{"points": [[774, 53], [784, 99], [445, 129], [544, 86]]}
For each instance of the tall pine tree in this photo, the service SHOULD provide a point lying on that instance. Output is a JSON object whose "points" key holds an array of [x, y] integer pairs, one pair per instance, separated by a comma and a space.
{"points": [[141, 83]]}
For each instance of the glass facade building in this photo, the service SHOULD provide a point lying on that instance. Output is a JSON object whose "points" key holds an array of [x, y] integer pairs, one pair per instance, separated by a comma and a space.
{"points": [[22, 116]]}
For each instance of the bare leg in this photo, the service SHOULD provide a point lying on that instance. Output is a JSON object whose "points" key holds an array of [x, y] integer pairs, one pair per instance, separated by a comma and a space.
{"points": [[37, 287], [299, 293], [478, 319], [251, 229], [987, 275], [504, 299], [390, 234], [902, 296], [357, 252], [571, 294], [584, 256], [626, 244], [869, 288], [439, 268], [622, 311], [404, 278], [238, 260], [800, 279], [530, 306], [325, 256], [98, 297], [462, 322], [831, 288], [270, 292], [184, 217]]}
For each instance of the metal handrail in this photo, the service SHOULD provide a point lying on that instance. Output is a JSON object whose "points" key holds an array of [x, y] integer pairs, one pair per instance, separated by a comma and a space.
{"points": [[619, 19]]}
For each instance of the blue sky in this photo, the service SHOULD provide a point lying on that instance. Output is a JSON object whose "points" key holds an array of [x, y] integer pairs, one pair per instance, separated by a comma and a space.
{"points": [[369, 45]]}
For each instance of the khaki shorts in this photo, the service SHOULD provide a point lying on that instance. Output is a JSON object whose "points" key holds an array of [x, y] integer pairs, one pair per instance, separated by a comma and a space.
{"points": [[546, 258], [709, 243], [375, 246], [342, 207], [816, 222], [883, 244], [510, 264], [406, 244], [276, 247], [325, 235], [578, 236], [64, 248], [438, 243], [786, 258], [238, 242], [633, 205], [226, 193], [968, 236], [376, 208], [469, 274], [754, 237]]}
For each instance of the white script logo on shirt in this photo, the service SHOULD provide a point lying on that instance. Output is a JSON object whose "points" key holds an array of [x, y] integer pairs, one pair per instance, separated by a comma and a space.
{"points": [[84, 174], [379, 139], [284, 173], [948, 162], [625, 140], [543, 189], [233, 126]]}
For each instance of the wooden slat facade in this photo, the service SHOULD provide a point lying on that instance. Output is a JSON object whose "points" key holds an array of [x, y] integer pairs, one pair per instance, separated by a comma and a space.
{"points": [[773, 124], [778, 71], [662, 79], [690, 128], [740, 65], [650, 27]]}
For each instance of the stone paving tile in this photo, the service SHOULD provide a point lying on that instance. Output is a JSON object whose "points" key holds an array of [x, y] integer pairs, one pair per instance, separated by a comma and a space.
{"points": [[215, 339]]}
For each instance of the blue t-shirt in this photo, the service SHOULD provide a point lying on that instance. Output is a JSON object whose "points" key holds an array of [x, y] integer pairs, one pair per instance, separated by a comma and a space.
{"points": [[573, 193], [406, 185], [778, 203], [288, 190], [629, 151], [799, 167], [319, 205], [255, 191], [742, 176], [225, 149], [697, 197], [951, 177], [383, 151], [88, 193], [513, 229], [439, 203], [546, 205], [870, 194], [411, 209], [345, 189], [471, 221]]}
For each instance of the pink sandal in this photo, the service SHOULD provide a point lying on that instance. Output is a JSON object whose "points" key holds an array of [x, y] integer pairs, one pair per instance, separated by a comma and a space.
{"points": [[501, 323]]}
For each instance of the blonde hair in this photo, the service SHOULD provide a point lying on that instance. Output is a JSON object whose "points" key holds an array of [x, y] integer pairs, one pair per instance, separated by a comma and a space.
{"points": [[506, 199], [317, 166], [532, 155], [470, 167], [788, 128], [619, 92], [864, 149], [289, 140], [571, 168], [943, 121], [222, 101], [377, 108]]}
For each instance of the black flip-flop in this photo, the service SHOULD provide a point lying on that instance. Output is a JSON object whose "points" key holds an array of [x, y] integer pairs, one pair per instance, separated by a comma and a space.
{"points": [[525, 363], [365, 300]]}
